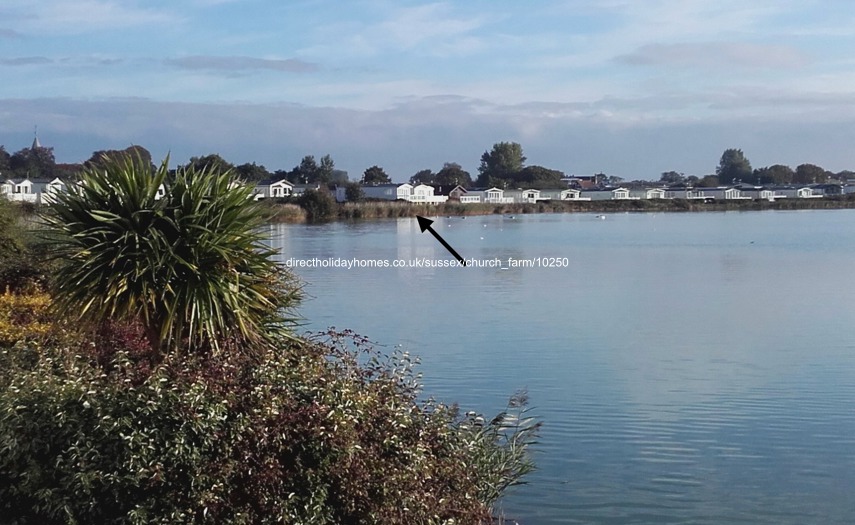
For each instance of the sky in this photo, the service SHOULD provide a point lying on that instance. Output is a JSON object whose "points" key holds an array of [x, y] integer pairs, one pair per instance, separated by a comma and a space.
{"points": [[630, 88]]}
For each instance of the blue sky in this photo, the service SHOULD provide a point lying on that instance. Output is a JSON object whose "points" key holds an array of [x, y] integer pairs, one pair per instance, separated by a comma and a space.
{"points": [[628, 87]]}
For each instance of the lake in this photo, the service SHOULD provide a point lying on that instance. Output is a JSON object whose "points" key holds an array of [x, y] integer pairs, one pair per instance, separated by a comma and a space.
{"points": [[688, 368]]}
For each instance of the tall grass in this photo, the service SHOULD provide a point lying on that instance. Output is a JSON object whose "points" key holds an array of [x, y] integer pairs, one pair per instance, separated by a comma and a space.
{"points": [[398, 209]]}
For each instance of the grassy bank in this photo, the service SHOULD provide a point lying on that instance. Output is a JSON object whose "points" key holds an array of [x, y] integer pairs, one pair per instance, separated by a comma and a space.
{"points": [[391, 210]]}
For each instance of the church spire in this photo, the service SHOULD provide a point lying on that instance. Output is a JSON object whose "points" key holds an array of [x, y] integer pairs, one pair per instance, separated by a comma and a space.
{"points": [[36, 143]]}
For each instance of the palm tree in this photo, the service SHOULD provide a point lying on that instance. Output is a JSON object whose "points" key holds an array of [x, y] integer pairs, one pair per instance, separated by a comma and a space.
{"points": [[180, 253]]}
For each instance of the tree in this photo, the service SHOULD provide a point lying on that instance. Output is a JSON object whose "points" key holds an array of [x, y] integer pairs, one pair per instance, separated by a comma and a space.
{"points": [[538, 177], [69, 172], [190, 267], [33, 163], [374, 176], [339, 177], [672, 178], [708, 181], [4, 160], [453, 174], [307, 171], [252, 172], [692, 180], [733, 167], [502, 162], [310, 172], [423, 177], [97, 158], [809, 174], [211, 161], [325, 170], [775, 174], [845, 175]]}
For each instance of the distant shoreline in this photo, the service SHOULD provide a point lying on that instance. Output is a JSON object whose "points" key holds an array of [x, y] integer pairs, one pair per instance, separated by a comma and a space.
{"points": [[291, 213]]}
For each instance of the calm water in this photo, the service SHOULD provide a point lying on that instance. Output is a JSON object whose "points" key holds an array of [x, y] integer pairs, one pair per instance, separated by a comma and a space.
{"points": [[689, 368]]}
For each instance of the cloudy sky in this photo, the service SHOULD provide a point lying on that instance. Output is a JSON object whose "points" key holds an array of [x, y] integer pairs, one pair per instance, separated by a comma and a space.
{"points": [[627, 87]]}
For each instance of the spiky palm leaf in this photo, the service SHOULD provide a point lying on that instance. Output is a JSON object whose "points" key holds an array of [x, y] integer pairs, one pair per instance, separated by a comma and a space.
{"points": [[190, 265]]}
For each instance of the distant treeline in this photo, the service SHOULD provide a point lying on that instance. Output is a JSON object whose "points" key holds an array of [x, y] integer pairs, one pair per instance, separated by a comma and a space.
{"points": [[501, 166]]}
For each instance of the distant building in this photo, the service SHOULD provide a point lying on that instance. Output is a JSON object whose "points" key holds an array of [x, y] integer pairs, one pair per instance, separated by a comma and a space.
{"points": [[647, 193], [721, 193], [490, 195], [683, 192], [524, 196], [762, 193], [425, 194], [300, 189], [273, 189], [454, 193], [797, 192], [36, 191], [389, 192], [605, 194], [421, 193], [827, 190]]}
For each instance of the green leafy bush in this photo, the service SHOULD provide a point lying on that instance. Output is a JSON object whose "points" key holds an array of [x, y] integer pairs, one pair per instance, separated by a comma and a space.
{"points": [[319, 205], [322, 431]]}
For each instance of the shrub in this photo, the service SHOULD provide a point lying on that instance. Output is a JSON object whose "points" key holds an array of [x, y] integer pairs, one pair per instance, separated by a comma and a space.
{"points": [[319, 205], [353, 192], [24, 273], [322, 431], [24, 318], [190, 265], [11, 243], [18, 269]]}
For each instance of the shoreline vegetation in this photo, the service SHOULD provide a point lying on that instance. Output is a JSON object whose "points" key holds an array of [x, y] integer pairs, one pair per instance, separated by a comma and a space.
{"points": [[295, 211]]}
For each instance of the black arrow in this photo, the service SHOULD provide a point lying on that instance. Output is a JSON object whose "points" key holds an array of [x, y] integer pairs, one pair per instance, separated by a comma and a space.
{"points": [[424, 224]]}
